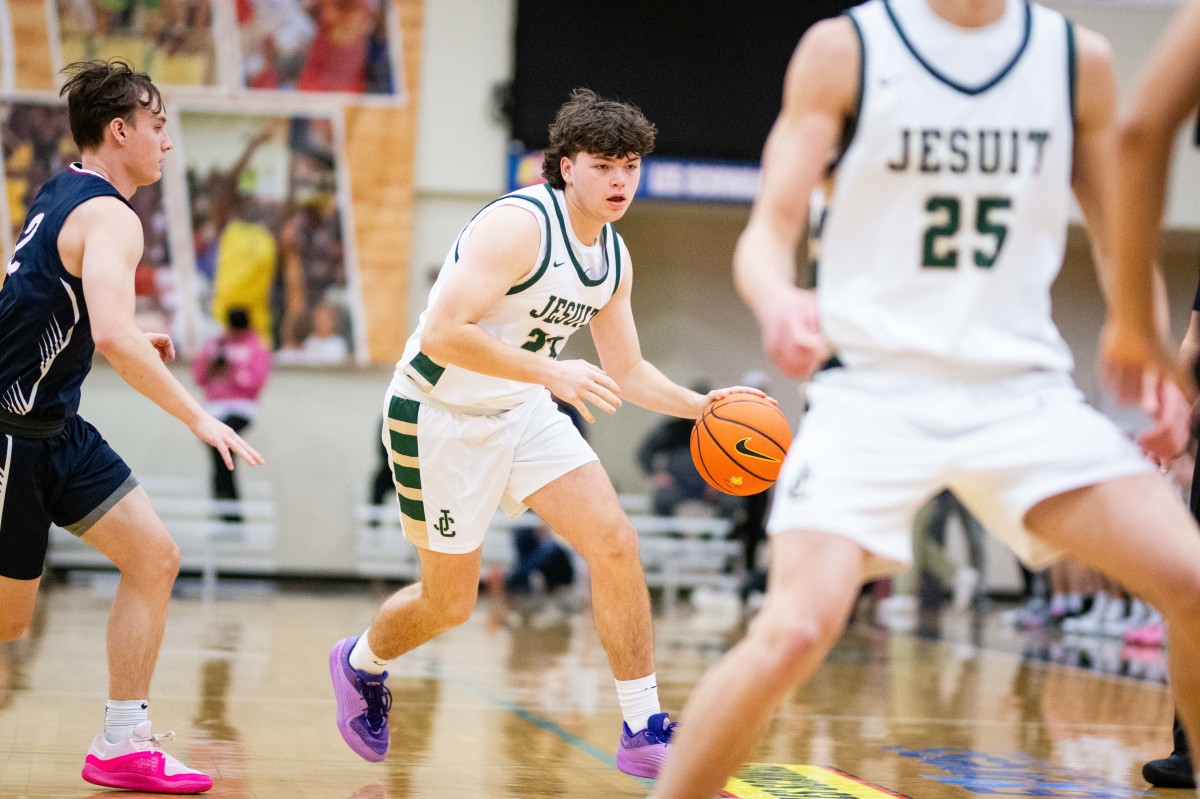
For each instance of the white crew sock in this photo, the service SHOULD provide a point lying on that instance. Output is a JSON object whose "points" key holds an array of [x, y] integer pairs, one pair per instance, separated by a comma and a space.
{"points": [[363, 659], [639, 701], [121, 716]]}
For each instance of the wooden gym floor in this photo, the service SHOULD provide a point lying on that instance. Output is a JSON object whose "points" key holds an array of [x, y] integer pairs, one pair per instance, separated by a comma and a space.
{"points": [[522, 705]]}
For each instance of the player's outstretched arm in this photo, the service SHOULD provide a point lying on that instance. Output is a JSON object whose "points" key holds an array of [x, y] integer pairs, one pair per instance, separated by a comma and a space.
{"points": [[112, 246], [615, 335], [820, 93], [1167, 92]]}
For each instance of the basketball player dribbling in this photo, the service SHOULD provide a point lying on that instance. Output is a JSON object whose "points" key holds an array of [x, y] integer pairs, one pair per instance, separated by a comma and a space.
{"points": [[68, 292], [966, 125], [471, 425]]}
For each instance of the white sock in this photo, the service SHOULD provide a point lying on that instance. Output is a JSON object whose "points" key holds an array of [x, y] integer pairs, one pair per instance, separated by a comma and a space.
{"points": [[363, 659], [121, 716], [639, 701]]}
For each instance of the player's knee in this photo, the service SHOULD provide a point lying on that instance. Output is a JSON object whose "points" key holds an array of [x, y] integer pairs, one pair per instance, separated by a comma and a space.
{"points": [[169, 559], [789, 644], [618, 544], [453, 611], [158, 561], [457, 613]]}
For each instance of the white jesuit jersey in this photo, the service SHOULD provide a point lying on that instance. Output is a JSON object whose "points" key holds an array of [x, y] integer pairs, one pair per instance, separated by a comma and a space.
{"points": [[948, 220], [564, 288]]}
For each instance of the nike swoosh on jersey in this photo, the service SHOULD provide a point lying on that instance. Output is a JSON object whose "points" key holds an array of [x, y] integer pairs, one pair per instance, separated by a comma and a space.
{"points": [[745, 450]]}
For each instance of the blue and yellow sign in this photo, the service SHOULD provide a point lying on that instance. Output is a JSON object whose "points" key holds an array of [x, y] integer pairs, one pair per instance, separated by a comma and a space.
{"points": [[776, 781]]}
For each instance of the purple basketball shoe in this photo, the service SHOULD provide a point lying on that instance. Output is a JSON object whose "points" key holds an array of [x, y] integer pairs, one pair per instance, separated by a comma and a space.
{"points": [[642, 755], [363, 702]]}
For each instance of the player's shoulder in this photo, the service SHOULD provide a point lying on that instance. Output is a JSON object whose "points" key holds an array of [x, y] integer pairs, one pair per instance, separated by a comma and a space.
{"points": [[1095, 77], [105, 208], [1092, 49], [505, 231], [1088, 46], [105, 213], [510, 215], [835, 38], [826, 65]]}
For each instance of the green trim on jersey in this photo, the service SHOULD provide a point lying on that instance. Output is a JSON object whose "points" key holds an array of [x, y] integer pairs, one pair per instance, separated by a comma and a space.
{"points": [[615, 246], [562, 222], [541, 270], [1072, 70], [425, 367], [955, 84], [402, 409], [850, 124]]}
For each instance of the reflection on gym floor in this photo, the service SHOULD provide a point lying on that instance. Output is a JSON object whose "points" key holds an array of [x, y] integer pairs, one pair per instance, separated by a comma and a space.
{"points": [[519, 703]]}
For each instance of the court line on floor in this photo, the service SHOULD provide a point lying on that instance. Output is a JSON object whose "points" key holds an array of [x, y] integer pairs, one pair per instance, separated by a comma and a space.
{"points": [[535, 719]]}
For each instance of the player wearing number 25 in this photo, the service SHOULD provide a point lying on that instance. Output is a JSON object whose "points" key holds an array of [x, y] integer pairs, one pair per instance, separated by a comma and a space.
{"points": [[961, 128], [471, 425]]}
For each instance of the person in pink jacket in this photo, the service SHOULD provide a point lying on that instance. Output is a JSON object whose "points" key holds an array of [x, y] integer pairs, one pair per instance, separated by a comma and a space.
{"points": [[231, 369]]}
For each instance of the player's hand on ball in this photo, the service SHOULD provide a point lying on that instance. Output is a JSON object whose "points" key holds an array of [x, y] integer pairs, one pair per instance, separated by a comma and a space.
{"points": [[738, 444], [720, 393], [580, 383]]}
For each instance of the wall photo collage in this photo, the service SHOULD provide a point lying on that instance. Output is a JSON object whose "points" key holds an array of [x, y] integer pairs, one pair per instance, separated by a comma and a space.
{"points": [[254, 207]]}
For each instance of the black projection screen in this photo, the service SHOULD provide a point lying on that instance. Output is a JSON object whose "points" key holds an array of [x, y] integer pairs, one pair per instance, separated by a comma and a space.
{"points": [[709, 74]]}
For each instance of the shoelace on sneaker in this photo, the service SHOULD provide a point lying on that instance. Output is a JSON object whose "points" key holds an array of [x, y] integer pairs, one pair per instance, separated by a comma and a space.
{"points": [[663, 737], [157, 738], [379, 702]]}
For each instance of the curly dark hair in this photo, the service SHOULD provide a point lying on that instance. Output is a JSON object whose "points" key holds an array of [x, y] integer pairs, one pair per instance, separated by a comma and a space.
{"points": [[588, 123], [98, 92]]}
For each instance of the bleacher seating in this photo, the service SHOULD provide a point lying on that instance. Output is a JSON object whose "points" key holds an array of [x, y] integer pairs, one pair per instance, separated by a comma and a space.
{"points": [[208, 544], [678, 552]]}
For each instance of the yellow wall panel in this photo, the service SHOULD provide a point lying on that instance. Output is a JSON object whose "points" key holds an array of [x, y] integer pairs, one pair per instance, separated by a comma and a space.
{"points": [[34, 67], [380, 149]]}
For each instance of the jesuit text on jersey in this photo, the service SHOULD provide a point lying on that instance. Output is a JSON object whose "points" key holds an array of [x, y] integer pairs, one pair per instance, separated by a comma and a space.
{"points": [[986, 152]]}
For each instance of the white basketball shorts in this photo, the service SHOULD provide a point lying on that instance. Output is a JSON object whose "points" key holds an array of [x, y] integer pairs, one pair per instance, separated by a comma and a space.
{"points": [[452, 469], [874, 447]]}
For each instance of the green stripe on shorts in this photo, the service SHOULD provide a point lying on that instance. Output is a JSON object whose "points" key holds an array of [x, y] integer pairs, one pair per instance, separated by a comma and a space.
{"points": [[402, 409], [403, 444], [407, 476]]}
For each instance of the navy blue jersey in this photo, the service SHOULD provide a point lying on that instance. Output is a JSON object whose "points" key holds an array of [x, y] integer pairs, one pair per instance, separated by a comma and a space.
{"points": [[46, 342]]}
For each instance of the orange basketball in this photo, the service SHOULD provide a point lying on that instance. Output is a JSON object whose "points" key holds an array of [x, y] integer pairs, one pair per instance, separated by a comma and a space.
{"points": [[739, 442]]}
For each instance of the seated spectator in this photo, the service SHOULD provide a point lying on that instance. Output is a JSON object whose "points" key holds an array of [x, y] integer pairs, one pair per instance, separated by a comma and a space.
{"points": [[665, 455]]}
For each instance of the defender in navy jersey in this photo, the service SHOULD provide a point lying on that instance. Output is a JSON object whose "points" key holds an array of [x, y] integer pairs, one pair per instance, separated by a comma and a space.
{"points": [[471, 425], [68, 291], [963, 126]]}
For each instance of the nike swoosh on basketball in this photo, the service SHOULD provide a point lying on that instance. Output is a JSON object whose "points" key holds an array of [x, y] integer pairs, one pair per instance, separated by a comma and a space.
{"points": [[745, 450], [559, 263]]}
